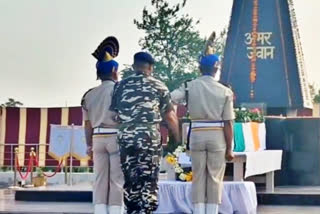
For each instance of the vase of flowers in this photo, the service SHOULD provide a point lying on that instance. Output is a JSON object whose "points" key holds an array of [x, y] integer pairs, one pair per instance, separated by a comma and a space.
{"points": [[39, 179]]}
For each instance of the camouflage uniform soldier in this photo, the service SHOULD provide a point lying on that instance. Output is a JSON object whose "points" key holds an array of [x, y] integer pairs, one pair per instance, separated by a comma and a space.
{"points": [[141, 102], [101, 132], [210, 106]]}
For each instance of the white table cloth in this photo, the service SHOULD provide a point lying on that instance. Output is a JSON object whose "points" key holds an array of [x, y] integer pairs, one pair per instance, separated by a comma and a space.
{"points": [[257, 163], [237, 198], [261, 162]]}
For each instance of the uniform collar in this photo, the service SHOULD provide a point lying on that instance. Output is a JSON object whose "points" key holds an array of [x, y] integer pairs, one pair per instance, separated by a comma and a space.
{"points": [[207, 77], [108, 81], [141, 73]]}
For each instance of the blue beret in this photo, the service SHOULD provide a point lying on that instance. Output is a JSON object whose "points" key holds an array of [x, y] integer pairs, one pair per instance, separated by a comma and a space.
{"points": [[106, 67], [143, 57], [209, 60]]}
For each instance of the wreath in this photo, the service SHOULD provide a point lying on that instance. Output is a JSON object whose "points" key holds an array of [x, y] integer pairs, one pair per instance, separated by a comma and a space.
{"points": [[183, 174]]}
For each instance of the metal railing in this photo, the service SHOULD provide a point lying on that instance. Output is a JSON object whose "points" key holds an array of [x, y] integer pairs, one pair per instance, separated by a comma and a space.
{"points": [[48, 162]]}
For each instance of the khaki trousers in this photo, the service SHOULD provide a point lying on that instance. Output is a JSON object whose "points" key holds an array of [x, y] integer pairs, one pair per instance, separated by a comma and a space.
{"points": [[208, 165], [108, 174]]}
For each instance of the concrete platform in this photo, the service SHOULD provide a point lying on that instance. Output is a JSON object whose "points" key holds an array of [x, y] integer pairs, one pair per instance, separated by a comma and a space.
{"points": [[291, 195], [56, 193], [9, 205], [287, 195]]}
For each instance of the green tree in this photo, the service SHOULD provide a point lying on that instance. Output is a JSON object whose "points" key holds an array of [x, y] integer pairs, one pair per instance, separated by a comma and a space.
{"points": [[126, 72], [316, 98], [12, 103], [172, 39], [312, 89], [315, 94]]}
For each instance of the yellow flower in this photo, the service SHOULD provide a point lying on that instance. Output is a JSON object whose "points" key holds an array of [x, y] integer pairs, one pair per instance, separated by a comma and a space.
{"points": [[189, 176], [171, 160]]}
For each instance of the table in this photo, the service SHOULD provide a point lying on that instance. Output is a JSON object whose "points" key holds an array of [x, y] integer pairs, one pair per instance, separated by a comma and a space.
{"points": [[257, 163], [238, 197]]}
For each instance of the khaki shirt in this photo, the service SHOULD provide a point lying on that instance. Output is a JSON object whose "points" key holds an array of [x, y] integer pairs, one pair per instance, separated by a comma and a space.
{"points": [[95, 105], [208, 99]]}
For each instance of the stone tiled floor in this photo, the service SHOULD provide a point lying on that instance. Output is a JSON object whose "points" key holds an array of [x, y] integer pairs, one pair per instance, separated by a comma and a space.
{"points": [[9, 205], [288, 210]]}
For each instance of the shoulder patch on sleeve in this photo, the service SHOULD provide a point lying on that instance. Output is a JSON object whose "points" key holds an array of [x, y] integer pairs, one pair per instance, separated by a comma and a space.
{"points": [[84, 96]]}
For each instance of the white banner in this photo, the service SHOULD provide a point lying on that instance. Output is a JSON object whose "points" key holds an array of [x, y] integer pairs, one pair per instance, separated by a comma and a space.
{"points": [[79, 149], [61, 139]]}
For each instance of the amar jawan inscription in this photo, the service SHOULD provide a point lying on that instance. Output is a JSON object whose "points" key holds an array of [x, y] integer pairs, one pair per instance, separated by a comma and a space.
{"points": [[264, 49]]}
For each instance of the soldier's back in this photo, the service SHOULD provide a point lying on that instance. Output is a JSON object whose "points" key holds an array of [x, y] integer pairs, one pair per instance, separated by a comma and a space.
{"points": [[96, 102], [208, 98], [139, 99]]}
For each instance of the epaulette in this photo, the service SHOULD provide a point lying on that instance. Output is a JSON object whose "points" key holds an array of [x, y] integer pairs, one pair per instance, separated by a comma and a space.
{"points": [[83, 97], [225, 84]]}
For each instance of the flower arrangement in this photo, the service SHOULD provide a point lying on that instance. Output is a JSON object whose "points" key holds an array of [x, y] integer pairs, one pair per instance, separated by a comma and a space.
{"points": [[244, 115], [39, 179], [173, 160]]}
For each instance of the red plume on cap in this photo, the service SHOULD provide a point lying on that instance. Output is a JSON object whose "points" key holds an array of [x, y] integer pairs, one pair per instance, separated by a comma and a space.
{"points": [[109, 45]]}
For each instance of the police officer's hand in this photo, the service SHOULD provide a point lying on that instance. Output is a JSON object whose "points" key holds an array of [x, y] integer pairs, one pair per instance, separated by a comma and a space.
{"points": [[229, 155]]}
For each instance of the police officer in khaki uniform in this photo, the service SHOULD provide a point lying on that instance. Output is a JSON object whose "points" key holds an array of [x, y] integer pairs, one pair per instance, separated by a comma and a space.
{"points": [[101, 132], [210, 106]]}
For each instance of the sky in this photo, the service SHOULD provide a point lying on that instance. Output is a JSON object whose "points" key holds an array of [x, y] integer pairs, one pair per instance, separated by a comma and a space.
{"points": [[46, 45]]}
